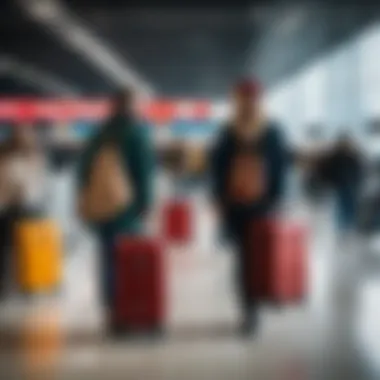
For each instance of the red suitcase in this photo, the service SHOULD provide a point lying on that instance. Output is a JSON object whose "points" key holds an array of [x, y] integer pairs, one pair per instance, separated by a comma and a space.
{"points": [[140, 285], [178, 221], [278, 261]]}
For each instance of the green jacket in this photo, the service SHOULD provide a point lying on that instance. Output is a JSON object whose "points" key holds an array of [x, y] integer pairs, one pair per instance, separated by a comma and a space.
{"points": [[132, 138]]}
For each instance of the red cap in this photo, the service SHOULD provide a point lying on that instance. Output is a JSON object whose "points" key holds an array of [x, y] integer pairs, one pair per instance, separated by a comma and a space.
{"points": [[249, 87]]}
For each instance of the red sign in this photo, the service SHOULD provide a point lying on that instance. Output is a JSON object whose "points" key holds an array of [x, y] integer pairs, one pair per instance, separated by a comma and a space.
{"points": [[158, 112], [9, 110]]}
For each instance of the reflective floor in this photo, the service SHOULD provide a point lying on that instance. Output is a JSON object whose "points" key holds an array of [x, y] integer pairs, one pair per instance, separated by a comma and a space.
{"points": [[334, 335]]}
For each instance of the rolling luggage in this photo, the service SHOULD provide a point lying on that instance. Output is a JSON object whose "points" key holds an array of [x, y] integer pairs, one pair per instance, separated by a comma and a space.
{"points": [[38, 248], [139, 302], [278, 262], [178, 220]]}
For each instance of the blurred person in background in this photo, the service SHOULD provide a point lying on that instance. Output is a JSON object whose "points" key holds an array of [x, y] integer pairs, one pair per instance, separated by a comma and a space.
{"points": [[23, 177], [314, 181], [342, 169], [115, 180], [247, 169]]}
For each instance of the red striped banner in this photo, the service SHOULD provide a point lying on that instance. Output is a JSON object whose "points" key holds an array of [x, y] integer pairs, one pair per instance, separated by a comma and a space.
{"points": [[158, 112]]}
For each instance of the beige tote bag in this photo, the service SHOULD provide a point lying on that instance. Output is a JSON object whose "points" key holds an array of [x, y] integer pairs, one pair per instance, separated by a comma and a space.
{"points": [[109, 190]]}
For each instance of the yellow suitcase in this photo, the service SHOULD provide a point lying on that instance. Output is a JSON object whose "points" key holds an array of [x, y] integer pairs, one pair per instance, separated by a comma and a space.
{"points": [[38, 247]]}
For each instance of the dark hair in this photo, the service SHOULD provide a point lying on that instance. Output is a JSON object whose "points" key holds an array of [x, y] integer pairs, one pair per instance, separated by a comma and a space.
{"points": [[122, 99], [250, 87]]}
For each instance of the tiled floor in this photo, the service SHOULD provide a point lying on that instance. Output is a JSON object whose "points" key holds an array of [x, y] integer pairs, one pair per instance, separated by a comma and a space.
{"points": [[335, 335]]}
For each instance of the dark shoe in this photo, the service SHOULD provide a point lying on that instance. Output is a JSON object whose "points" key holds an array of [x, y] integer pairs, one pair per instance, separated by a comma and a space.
{"points": [[158, 333], [113, 329], [116, 332]]}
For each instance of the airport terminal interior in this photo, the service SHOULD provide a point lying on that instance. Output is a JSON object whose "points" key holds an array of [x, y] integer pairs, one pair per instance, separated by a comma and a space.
{"points": [[319, 66]]}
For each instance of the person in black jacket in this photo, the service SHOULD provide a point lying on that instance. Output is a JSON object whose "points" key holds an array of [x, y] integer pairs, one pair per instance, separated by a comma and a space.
{"points": [[343, 170], [247, 175]]}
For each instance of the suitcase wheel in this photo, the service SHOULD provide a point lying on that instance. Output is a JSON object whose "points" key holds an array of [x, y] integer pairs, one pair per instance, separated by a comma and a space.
{"points": [[28, 295], [277, 305], [158, 333], [304, 301], [121, 332], [117, 332]]}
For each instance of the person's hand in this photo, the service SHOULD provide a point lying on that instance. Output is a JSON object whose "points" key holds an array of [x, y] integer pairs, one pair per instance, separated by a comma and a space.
{"points": [[219, 208]]}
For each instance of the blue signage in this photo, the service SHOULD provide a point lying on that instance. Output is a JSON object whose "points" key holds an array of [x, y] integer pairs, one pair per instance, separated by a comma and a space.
{"points": [[193, 128], [82, 130]]}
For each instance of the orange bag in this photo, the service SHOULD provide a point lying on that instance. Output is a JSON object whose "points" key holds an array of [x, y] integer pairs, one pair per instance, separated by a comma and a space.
{"points": [[38, 245]]}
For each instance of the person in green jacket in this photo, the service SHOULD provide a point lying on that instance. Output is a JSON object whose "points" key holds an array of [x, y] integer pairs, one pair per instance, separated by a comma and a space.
{"points": [[131, 136]]}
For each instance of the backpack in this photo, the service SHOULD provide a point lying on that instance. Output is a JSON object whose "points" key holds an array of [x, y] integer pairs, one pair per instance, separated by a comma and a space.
{"points": [[109, 189]]}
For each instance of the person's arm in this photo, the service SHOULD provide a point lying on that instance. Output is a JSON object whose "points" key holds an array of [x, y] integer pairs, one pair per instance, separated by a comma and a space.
{"points": [[81, 169], [144, 162], [81, 177], [216, 167], [12, 182], [359, 171], [5, 187], [280, 160]]}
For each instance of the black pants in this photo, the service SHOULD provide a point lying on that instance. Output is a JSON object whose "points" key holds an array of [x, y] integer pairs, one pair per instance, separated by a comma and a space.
{"points": [[243, 273], [107, 270], [7, 219]]}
